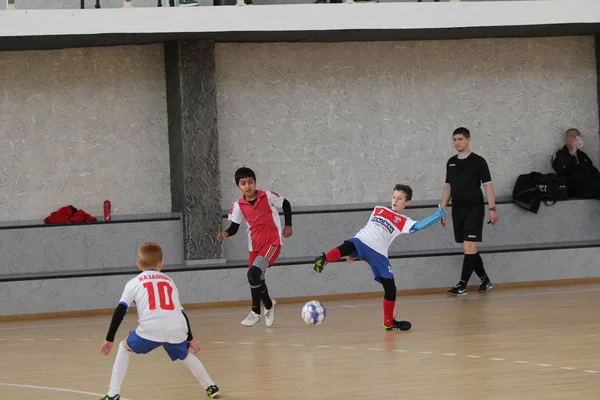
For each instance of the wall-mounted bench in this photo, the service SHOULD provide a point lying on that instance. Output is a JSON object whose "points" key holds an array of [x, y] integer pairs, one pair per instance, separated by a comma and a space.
{"points": [[34, 250], [31, 250]]}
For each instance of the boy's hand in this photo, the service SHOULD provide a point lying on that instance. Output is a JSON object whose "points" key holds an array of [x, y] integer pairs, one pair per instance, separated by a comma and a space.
{"points": [[194, 346], [443, 220], [350, 259], [222, 235], [106, 348], [287, 231]]}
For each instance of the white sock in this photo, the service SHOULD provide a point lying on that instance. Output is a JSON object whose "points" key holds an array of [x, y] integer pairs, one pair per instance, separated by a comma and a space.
{"points": [[198, 370], [119, 370]]}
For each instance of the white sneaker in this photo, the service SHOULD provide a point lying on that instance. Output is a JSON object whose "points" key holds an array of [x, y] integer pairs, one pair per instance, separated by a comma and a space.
{"points": [[251, 319], [270, 315]]}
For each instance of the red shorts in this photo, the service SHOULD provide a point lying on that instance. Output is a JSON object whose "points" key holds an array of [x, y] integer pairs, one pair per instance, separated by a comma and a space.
{"points": [[270, 252]]}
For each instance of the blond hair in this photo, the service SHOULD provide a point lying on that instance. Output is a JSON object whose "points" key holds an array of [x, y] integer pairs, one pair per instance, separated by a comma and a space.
{"points": [[150, 255]]}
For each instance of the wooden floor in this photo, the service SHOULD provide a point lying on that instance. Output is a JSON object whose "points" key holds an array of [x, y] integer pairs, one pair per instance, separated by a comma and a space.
{"points": [[509, 344]]}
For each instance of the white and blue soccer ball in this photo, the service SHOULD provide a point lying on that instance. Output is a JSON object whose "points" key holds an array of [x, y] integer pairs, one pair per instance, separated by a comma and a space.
{"points": [[314, 312]]}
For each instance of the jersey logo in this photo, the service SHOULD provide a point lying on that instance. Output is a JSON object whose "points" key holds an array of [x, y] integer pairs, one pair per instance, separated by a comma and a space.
{"points": [[386, 218]]}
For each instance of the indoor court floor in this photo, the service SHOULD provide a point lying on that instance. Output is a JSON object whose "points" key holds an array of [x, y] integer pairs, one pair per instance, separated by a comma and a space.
{"points": [[541, 343]]}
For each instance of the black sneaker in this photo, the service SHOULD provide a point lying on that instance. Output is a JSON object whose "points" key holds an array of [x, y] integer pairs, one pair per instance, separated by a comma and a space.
{"points": [[485, 286], [458, 290], [398, 326], [320, 263], [115, 397], [212, 391]]}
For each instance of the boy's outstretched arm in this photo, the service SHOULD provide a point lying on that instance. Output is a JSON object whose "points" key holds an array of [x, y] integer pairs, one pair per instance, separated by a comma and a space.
{"points": [[117, 318], [431, 220], [287, 215]]}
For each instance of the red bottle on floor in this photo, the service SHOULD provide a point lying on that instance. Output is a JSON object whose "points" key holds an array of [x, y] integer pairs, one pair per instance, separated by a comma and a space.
{"points": [[107, 214]]}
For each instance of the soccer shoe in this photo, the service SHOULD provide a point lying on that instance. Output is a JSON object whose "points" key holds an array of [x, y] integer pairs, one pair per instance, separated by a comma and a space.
{"points": [[212, 391], [398, 326], [251, 319], [115, 397], [270, 315], [320, 263], [485, 286], [458, 290]]}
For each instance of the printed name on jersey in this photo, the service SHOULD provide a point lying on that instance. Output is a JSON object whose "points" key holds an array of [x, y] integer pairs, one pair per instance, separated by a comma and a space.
{"points": [[382, 222], [153, 276]]}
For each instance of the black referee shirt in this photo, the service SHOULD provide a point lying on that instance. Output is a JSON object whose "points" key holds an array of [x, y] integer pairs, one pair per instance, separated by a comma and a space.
{"points": [[465, 176]]}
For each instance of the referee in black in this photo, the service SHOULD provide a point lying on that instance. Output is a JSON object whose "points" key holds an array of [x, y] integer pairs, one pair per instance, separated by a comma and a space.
{"points": [[465, 173]]}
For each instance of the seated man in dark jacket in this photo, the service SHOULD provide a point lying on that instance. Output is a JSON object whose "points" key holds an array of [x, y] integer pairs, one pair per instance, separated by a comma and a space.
{"points": [[583, 178]]}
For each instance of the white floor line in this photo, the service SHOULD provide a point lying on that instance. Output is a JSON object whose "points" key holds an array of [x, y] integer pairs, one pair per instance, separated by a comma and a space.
{"points": [[497, 359], [568, 368], [55, 389], [544, 365], [589, 371], [295, 307]]}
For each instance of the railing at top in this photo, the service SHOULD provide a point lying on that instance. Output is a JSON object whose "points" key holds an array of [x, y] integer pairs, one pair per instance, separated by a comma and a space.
{"points": [[71, 4]]}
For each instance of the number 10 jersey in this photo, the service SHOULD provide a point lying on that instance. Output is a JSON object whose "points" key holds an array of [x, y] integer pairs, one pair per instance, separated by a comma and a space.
{"points": [[159, 309]]}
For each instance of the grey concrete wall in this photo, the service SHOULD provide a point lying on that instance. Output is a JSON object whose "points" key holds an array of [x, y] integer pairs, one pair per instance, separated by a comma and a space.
{"points": [[80, 126], [342, 123]]}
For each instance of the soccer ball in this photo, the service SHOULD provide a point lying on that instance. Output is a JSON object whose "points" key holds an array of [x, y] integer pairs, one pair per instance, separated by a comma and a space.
{"points": [[314, 312]]}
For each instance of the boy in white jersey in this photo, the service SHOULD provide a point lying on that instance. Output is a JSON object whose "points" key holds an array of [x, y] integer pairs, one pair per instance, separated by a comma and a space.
{"points": [[371, 244], [162, 322]]}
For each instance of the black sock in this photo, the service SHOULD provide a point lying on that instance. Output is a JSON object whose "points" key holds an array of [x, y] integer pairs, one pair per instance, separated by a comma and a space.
{"points": [[467, 269], [256, 299], [264, 295], [479, 270]]}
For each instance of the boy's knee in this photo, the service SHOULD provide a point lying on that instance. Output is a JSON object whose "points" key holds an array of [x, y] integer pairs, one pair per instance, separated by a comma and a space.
{"points": [[254, 274]]}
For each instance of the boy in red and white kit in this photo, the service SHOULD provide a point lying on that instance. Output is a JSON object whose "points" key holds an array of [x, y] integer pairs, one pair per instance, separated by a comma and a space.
{"points": [[259, 209], [371, 244], [162, 322]]}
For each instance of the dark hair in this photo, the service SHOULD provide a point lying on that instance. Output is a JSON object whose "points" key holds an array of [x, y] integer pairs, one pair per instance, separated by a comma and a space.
{"points": [[406, 189], [572, 129], [242, 173], [462, 131]]}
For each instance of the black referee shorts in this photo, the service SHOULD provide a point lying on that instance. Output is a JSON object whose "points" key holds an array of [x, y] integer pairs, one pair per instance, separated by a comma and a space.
{"points": [[468, 222]]}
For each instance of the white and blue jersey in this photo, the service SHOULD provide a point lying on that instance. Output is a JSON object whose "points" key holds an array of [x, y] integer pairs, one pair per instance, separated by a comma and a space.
{"points": [[373, 241]]}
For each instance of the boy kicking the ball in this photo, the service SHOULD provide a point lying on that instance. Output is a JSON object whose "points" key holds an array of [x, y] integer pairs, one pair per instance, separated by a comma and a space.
{"points": [[162, 322], [372, 242], [259, 209]]}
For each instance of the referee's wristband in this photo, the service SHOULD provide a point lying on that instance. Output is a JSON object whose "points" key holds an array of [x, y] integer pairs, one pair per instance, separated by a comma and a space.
{"points": [[492, 208]]}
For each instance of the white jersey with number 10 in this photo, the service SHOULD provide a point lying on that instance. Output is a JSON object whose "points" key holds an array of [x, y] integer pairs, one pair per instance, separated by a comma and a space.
{"points": [[383, 227], [158, 307]]}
